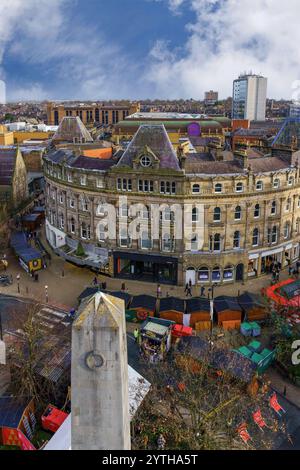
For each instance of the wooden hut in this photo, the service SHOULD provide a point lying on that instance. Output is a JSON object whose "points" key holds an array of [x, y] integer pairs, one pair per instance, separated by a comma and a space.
{"points": [[172, 308], [17, 422], [31, 222], [144, 305], [199, 310], [228, 311], [253, 306]]}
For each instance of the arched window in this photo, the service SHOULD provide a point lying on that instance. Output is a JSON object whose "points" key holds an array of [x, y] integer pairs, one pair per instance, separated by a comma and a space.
{"points": [[194, 214], [297, 225], [257, 211], [216, 274], [259, 185], [218, 188], [276, 183], [228, 273], [236, 239], [291, 181], [203, 274], [239, 188], [72, 225], [288, 205], [238, 213], [217, 214], [196, 188], [273, 208], [255, 237]]}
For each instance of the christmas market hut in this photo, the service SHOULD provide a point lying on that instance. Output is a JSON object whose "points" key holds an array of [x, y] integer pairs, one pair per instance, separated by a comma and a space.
{"points": [[228, 311], [122, 295], [155, 340], [31, 222], [17, 422], [143, 305], [253, 306], [172, 308], [29, 258], [198, 308]]}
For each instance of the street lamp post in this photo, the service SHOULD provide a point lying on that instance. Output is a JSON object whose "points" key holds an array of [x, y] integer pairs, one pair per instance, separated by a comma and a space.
{"points": [[18, 282], [211, 303]]}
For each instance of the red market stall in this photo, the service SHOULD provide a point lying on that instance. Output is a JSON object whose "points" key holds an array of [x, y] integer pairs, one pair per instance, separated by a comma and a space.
{"points": [[53, 418], [178, 331]]}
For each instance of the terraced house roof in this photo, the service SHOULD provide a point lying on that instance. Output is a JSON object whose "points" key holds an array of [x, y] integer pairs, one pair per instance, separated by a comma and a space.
{"points": [[7, 166]]}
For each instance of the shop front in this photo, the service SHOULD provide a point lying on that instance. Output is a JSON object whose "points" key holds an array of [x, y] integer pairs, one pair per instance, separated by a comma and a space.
{"points": [[150, 268]]}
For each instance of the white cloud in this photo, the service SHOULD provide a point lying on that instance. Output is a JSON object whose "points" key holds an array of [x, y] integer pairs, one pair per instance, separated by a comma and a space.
{"points": [[229, 37]]}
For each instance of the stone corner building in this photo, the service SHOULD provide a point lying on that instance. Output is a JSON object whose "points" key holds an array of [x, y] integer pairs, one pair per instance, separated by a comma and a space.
{"points": [[251, 208], [13, 177]]}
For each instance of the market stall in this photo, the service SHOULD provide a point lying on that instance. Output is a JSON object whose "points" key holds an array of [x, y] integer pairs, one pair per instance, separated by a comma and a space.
{"points": [[155, 338], [253, 306], [172, 308], [199, 310], [229, 312], [143, 305]]}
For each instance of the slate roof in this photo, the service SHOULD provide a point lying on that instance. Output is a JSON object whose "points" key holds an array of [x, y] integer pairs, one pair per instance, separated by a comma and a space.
{"points": [[90, 163], [7, 165], [122, 295], [171, 303], [70, 128], [230, 361], [156, 138], [197, 304], [213, 167], [143, 301], [224, 302], [249, 300]]}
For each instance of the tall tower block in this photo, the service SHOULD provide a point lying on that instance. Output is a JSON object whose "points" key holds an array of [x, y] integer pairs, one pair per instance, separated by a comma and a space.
{"points": [[99, 378]]}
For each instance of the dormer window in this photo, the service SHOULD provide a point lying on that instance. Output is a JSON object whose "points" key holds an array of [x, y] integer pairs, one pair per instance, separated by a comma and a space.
{"points": [[145, 161]]}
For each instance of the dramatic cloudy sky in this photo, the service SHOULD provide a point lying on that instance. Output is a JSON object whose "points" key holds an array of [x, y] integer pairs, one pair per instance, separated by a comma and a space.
{"points": [[100, 49]]}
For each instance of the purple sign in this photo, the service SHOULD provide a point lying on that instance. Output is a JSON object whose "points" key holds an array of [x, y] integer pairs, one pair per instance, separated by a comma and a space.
{"points": [[194, 130]]}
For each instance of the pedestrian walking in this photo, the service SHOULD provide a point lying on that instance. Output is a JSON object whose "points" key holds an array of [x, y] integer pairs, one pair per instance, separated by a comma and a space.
{"points": [[189, 291], [95, 281], [202, 291], [186, 288], [158, 291], [136, 335]]}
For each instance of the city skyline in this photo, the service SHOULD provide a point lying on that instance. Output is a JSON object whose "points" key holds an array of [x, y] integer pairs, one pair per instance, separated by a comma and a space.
{"points": [[134, 49]]}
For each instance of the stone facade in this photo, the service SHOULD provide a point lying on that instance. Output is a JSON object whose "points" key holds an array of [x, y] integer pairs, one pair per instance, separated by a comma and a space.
{"points": [[251, 209], [104, 114]]}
